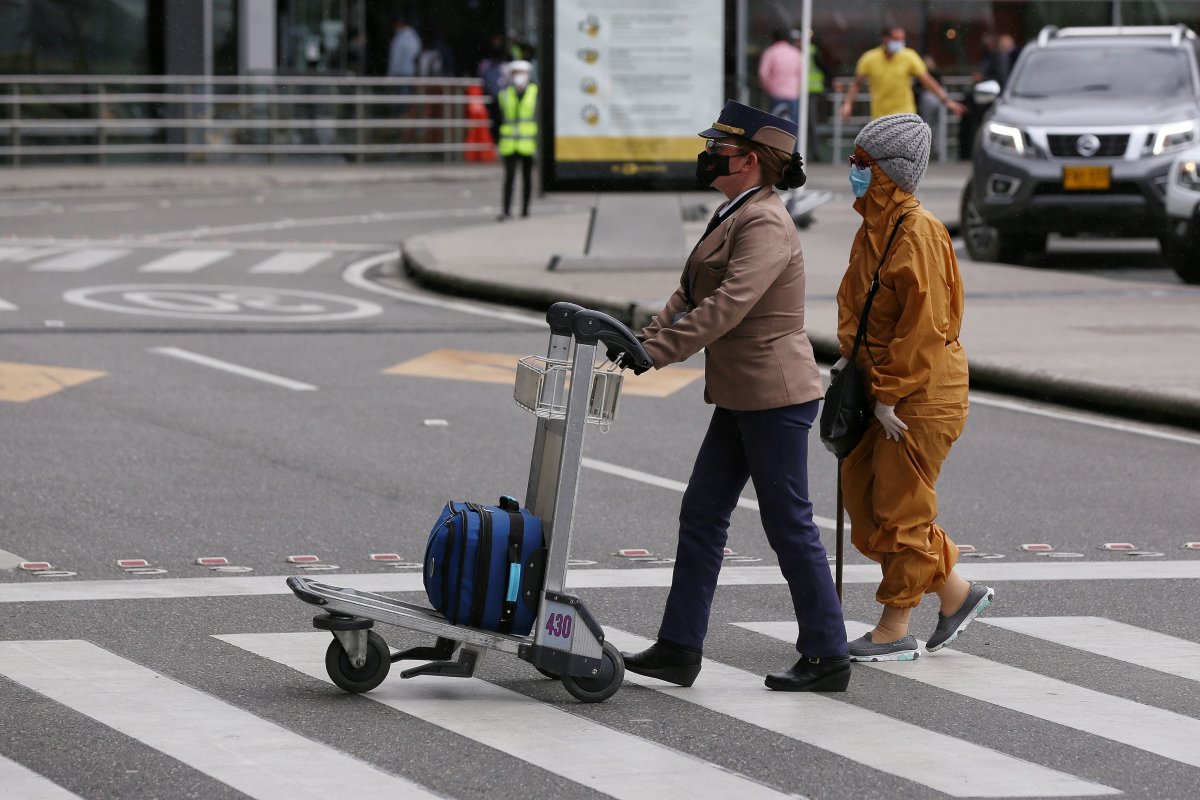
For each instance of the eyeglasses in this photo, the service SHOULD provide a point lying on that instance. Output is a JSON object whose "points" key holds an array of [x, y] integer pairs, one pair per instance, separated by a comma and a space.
{"points": [[712, 144], [860, 163]]}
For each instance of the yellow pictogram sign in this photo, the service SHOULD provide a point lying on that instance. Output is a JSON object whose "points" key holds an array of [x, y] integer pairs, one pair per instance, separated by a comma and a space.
{"points": [[465, 365], [20, 383]]}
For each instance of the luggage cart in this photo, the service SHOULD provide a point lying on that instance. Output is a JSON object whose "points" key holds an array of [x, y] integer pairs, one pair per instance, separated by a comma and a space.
{"points": [[565, 391]]}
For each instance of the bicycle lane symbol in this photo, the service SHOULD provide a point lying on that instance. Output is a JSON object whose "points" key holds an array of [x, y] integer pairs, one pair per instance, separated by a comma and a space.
{"points": [[231, 303]]}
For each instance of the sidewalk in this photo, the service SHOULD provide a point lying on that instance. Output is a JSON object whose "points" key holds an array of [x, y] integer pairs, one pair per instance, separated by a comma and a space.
{"points": [[1117, 346]]}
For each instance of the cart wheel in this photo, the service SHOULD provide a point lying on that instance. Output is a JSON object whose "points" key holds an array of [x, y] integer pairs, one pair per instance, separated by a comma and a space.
{"points": [[554, 676], [366, 678], [602, 686]]}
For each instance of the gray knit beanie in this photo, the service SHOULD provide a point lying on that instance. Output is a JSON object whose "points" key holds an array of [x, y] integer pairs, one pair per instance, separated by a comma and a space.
{"points": [[899, 143]]}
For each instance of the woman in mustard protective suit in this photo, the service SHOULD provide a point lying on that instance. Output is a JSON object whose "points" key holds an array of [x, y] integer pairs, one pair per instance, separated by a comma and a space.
{"points": [[916, 373]]}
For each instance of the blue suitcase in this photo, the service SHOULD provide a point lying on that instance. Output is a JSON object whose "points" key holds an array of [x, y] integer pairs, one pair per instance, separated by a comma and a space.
{"points": [[484, 566]]}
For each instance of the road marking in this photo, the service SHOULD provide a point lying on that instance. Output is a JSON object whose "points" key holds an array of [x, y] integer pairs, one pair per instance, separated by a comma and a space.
{"points": [[6, 306], [679, 486], [10, 561], [91, 208], [355, 275], [1083, 419], [233, 746], [1116, 640], [9, 252], [291, 262], [624, 578], [214, 302], [245, 372], [25, 784], [185, 261], [470, 365], [373, 217], [1152, 730], [20, 383], [953, 766], [79, 260], [609, 761]]}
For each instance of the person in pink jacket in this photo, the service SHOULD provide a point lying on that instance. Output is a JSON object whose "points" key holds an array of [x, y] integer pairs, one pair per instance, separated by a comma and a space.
{"points": [[780, 71]]}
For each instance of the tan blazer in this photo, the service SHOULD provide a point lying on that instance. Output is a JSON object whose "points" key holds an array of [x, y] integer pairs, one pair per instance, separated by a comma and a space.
{"points": [[745, 281]]}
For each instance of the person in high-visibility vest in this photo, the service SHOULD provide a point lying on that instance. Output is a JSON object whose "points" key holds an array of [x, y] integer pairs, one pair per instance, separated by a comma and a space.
{"points": [[518, 133]]}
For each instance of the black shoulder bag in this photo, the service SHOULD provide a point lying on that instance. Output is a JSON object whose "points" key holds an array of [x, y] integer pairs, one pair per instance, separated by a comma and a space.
{"points": [[847, 409]]}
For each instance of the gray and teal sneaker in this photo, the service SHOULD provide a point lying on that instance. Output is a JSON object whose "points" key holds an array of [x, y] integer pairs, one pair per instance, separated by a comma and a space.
{"points": [[863, 649], [949, 627]]}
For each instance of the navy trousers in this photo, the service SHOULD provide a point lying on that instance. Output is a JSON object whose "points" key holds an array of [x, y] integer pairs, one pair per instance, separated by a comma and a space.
{"points": [[771, 448]]}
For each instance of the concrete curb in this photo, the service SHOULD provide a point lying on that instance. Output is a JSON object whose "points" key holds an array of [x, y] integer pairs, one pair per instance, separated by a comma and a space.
{"points": [[1123, 401]]}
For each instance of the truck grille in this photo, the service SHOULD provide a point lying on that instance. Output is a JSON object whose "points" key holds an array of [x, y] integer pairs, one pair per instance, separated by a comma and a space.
{"points": [[1063, 145]]}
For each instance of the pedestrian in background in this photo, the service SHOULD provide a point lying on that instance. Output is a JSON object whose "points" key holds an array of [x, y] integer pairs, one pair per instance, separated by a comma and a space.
{"points": [[815, 73], [998, 63], [403, 52], [741, 300], [916, 375], [780, 70], [889, 71], [929, 107], [518, 134]]}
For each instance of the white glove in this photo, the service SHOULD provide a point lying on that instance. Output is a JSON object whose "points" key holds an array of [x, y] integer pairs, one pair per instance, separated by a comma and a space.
{"points": [[837, 367], [893, 428]]}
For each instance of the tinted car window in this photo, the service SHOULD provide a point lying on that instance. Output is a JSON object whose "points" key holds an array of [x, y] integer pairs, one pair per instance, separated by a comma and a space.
{"points": [[1118, 71]]}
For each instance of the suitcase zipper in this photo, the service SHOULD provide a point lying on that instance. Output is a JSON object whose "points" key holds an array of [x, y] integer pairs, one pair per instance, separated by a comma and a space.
{"points": [[483, 567]]}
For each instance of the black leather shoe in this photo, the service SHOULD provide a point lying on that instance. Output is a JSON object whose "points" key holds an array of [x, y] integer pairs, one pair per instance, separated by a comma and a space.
{"points": [[813, 675], [666, 661]]}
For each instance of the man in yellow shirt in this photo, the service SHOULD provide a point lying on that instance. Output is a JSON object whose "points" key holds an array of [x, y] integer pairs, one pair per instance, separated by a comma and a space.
{"points": [[890, 69]]}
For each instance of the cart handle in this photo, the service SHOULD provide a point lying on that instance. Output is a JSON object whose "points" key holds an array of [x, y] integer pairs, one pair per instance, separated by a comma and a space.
{"points": [[590, 326], [560, 316]]}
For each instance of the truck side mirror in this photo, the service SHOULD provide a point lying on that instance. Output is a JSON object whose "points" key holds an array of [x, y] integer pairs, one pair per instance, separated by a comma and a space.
{"points": [[986, 93]]}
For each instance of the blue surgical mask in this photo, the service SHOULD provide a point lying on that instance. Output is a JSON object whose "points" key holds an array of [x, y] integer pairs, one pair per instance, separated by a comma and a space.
{"points": [[860, 179], [895, 46]]}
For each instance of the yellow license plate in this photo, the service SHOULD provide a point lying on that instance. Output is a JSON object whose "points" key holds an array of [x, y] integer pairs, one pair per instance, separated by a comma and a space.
{"points": [[1086, 178]]}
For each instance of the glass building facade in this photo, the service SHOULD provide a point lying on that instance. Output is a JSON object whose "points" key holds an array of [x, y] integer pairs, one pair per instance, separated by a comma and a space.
{"points": [[137, 37]]}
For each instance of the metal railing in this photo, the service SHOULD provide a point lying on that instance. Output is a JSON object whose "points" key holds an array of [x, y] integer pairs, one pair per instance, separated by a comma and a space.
{"points": [[840, 133], [138, 118]]}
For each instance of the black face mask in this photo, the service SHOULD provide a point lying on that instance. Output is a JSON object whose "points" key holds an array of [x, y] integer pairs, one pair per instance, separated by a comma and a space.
{"points": [[709, 167]]}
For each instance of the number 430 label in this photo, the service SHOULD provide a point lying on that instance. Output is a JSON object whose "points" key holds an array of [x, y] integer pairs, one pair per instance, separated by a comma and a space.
{"points": [[559, 626]]}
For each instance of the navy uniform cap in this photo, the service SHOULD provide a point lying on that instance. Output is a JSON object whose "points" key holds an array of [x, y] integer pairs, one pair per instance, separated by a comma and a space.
{"points": [[757, 126]]}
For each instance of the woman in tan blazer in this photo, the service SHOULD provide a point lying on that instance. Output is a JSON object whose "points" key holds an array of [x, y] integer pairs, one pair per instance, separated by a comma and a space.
{"points": [[741, 300]]}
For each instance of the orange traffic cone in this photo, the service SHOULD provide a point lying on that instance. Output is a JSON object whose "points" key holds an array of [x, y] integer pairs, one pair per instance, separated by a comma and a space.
{"points": [[482, 134]]}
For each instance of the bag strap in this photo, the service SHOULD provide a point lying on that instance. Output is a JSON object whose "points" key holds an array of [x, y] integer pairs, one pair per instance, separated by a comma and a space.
{"points": [[516, 538], [862, 320]]}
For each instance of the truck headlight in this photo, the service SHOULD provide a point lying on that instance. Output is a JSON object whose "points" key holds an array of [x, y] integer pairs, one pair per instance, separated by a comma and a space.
{"points": [[1188, 175], [1174, 136], [1005, 137]]}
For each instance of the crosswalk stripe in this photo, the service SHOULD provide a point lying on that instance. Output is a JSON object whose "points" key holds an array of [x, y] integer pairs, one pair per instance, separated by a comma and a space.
{"points": [[1115, 640], [608, 761], [21, 782], [254, 756], [1147, 728], [291, 262], [949, 765], [599, 578], [9, 252], [185, 261], [79, 260]]}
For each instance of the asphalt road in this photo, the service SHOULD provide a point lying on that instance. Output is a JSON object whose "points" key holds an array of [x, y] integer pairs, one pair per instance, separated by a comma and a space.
{"points": [[337, 434]]}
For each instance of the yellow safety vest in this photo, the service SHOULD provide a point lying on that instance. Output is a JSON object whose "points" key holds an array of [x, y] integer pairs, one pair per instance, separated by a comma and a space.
{"points": [[518, 128], [816, 78]]}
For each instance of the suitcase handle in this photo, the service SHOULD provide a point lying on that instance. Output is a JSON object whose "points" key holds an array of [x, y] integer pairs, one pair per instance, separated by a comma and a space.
{"points": [[590, 326], [560, 317]]}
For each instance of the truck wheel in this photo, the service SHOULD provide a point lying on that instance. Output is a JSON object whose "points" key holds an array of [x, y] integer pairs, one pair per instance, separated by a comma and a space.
{"points": [[986, 243], [1184, 259]]}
